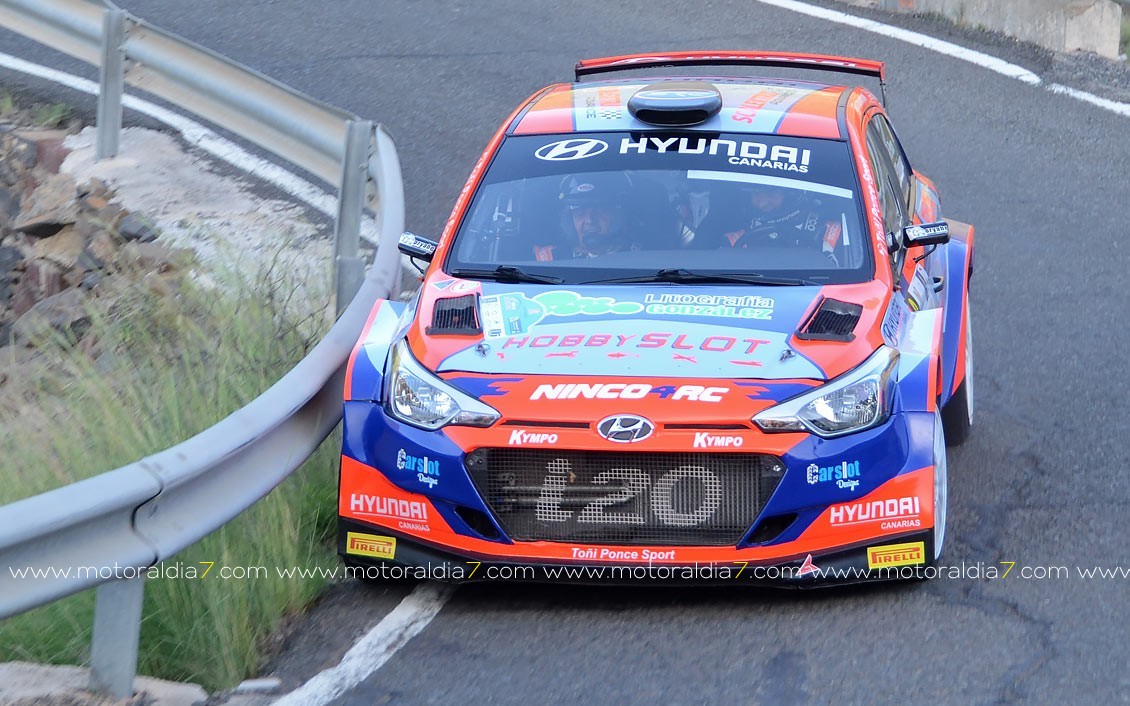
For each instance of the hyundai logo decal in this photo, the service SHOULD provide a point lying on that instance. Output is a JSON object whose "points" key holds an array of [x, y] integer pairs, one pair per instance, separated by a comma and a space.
{"points": [[565, 150], [625, 428]]}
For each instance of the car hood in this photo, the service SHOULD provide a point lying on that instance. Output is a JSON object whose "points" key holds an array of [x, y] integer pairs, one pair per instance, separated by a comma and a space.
{"points": [[653, 330]]}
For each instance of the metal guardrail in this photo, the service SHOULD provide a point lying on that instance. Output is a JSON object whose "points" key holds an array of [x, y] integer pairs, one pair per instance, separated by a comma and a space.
{"points": [[316, 136], [274, 116], [147, 511]]}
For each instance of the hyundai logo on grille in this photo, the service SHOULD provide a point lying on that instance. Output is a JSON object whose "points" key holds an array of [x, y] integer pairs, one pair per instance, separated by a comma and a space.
{"points": [[625, 428], [565, 150]]}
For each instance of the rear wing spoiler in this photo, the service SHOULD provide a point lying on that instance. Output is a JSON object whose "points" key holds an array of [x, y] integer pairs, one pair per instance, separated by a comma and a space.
{"points": [[788, 60]]}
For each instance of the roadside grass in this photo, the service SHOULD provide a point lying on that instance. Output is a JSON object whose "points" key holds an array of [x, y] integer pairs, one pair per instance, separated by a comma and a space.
{"points": [[52, 115], [157, 366], [43, 115]]}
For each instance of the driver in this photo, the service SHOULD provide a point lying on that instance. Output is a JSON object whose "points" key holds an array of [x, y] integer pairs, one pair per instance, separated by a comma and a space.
{"points": [[775, 216], [593, 221]]}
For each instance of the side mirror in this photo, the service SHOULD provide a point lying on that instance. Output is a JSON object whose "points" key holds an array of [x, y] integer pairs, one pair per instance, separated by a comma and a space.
{"points": [[416, 246], [926, 234]]}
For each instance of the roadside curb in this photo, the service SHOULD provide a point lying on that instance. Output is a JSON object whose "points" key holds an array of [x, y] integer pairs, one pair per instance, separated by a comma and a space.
{"points": [[26, 684]]}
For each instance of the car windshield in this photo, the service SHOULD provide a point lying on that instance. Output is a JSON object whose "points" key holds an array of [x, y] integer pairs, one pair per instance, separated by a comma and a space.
{"points": [[619, 206]]}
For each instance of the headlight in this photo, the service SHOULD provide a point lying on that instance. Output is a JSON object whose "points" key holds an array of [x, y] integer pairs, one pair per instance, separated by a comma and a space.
{"points": [[857, 400], [417, 397]]}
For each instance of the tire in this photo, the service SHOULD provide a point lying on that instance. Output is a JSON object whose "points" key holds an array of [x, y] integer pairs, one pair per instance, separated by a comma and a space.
{"points": [[941, 489], [957, 414]]}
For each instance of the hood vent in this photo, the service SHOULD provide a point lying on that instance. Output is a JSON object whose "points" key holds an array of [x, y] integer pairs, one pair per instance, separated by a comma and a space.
{"points": [[832, 321], [455, 316]]}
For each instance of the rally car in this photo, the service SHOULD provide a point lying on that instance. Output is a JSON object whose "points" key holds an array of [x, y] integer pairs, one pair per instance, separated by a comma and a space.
{"points": [[694, 328]]}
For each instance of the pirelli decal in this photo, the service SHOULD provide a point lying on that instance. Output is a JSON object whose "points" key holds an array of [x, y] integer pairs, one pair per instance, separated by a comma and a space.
{"points": [[372, 545], [908, 554]]}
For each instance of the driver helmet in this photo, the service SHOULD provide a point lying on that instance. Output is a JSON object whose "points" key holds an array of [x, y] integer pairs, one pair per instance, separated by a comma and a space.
{"points": [[769, 201], [594, 209]]}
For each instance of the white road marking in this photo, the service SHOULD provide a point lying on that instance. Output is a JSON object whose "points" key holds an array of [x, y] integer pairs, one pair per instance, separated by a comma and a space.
{"points": [[374, 649], [904, 35], [985, 61], [1114, 106], [205, 139]]}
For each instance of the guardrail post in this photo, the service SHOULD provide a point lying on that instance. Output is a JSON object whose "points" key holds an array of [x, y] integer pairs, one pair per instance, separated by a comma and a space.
{"points": [[349, 268], [109, 117], [117, 631]]}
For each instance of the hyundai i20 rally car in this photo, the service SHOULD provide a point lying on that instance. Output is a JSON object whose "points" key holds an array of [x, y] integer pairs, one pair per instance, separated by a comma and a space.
{"points": [[705, 329]]}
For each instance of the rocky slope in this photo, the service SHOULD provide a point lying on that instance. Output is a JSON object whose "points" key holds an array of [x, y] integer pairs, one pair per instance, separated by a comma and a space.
{"points": [[61, 245]]}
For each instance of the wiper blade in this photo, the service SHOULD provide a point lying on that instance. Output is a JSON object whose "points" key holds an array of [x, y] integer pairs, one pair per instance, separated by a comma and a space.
{"points": [[506, 273], [682, 276]]}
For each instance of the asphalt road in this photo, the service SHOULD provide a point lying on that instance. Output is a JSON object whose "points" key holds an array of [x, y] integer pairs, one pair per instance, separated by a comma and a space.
{"points": [[1042, 482]]}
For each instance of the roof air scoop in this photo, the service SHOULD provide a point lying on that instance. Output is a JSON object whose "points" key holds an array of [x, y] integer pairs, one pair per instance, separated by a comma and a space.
{"points": [[675, 103]]}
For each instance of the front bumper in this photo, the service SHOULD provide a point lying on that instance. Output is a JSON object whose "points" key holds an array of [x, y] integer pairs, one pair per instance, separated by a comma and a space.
{"points": [[407, 498]]}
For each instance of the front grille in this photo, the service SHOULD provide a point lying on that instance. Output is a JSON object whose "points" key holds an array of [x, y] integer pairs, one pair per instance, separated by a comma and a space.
{"points": [[625, 498], [556, 424], [709, 427]]}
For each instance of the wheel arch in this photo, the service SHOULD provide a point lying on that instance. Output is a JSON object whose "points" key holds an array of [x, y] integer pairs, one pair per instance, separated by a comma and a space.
{"points": [[958, 269]]}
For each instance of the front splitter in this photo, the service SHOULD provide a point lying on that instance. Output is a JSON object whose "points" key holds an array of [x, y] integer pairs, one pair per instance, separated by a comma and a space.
{"points": [[377, 553]]}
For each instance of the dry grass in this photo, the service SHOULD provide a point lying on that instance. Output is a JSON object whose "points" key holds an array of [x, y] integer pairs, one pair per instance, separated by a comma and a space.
{"points": [[152, 371]]}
